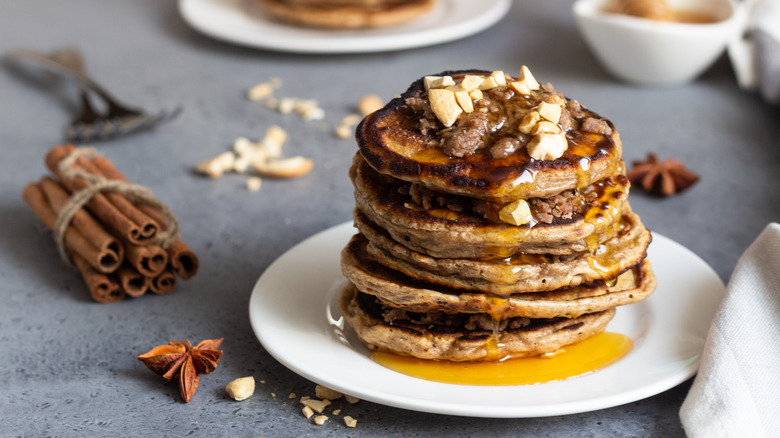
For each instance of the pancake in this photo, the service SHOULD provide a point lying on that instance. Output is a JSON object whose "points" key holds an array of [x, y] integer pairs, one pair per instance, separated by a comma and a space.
{"points": [[396, 142], [519, 273], [462, 337], [493, 221], [442, 232], [346, 14], [400, 291]]}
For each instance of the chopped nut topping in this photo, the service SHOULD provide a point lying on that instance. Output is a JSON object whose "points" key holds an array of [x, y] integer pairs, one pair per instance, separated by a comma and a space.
{"points": [[526, 82], [529, 122], [307, 412], [464, 100], [557, 100], [516, 213], [337, 412], [444, 106], [319, 420], [437, 82], [547, 146], [471, 82], [488, 83], [550, 111], [350, 399], [349, 421], [499, 77], [526, 76], [545, 127]]}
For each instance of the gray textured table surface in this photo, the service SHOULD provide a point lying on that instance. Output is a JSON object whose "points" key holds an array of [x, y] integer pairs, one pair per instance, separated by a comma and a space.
{"points": [[68, 364]]}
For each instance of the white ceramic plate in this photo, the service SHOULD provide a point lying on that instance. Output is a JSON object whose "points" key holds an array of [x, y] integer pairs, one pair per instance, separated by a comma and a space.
{"points": [[242, 22], [294, 313]]}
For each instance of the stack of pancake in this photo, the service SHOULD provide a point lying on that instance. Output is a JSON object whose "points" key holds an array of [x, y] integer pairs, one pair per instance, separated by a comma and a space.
{"points": [[493, 222], [346, 14]]}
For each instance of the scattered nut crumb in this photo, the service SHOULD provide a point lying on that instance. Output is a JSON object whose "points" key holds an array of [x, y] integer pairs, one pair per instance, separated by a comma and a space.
{"points": [[215, 167], [324, 392], [241, 388], [313, 114], [320, 420], [263, 156], [349, 421], [343, 131], [337, 412], [345, 128], [292, 167], [369, 103], [273, 394], [304, 398], [350, 399], [292, 395], [264, 90], [350, 119], [253, 183], [317, 405], [307, 412], [263, 382]]}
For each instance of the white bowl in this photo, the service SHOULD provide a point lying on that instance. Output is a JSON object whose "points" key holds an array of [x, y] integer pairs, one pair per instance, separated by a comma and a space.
{"points": [[657, 53]]}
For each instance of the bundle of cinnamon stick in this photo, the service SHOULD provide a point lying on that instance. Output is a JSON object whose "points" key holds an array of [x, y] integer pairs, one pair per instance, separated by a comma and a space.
{"points": [[113, 238]]}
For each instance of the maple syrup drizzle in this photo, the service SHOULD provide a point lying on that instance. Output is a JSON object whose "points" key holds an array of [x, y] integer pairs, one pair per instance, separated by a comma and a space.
{"points": [[587, 356]]}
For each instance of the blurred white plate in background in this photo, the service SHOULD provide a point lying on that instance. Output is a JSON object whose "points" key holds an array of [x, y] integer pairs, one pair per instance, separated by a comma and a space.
{"points": [[243, 22]]}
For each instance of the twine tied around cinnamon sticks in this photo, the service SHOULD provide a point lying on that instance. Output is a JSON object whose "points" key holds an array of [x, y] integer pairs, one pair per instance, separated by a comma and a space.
{"points": [[120, 237], [99, 184]]}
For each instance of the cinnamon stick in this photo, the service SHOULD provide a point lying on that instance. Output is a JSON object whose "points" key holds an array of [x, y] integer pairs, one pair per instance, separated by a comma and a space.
{"points": [[102, 287], [75, 242], [132, 282], [99, 204], [146, 224], [149, 260], [91, 229], [163, 283], [182, 258]]}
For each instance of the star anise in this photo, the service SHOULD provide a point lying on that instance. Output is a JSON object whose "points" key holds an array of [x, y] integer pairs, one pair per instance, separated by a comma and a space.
{"points": [[664, 178], [180, 359]]}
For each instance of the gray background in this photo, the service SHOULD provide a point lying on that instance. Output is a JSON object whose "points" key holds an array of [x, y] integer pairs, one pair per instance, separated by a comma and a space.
{"points": [[68, 364]]}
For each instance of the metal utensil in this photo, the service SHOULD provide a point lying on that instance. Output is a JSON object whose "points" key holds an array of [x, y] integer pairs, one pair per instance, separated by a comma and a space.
{"points": [[92, 125]]}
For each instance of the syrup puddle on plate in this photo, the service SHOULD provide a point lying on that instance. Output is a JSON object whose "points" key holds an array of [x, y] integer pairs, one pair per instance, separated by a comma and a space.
{"points": [[592, 354]]}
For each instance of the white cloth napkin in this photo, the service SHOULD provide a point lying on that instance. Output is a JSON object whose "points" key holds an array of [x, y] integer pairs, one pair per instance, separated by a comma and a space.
{"points": [[755, 53], [737, 390]]}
